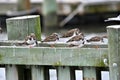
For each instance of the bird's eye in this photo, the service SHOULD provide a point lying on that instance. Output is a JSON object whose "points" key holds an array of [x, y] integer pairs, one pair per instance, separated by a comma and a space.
{"points": [[29, 38]]}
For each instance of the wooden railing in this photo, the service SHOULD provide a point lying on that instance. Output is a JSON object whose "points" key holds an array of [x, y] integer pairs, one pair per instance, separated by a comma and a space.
{"points": [[25, 63], [37, 61]]}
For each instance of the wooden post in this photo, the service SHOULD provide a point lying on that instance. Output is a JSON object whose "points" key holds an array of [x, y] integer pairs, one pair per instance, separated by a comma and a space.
{"points": [[89, 73], [23, 5], [11, 72], [19, 27], [37, 73], [114, 51], [50, 14], [64, 73]]}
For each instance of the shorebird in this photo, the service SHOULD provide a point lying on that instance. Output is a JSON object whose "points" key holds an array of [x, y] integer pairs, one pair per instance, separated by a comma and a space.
{"points": [[95, 39], [77, 40], [31, 40], [71, 33], [53, 37]]}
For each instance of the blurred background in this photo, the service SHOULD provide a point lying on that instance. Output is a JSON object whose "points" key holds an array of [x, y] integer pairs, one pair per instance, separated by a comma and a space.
{"points": [[62, 15]]}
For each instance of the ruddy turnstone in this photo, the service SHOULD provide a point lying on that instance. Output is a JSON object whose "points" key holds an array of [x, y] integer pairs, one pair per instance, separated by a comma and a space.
{"points": [[95, 39], [78, 37], [76, 41], [31, 40], [51, 38], [70, 33]]}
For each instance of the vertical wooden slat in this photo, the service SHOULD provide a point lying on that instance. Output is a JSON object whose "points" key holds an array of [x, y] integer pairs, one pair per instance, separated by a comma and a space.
{"points": [[37, 73], [89, 73], [114, 51], [11, 72], [64, 73]]}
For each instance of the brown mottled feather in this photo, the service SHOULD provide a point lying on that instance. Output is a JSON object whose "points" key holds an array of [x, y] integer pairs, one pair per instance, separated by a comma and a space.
{"points": [[52, 37], [95, 38], [70, 33], [76, 38]]}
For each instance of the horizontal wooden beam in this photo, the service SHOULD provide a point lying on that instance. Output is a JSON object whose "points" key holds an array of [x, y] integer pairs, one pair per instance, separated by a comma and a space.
{"points": [[54, 56], [40, 44]]}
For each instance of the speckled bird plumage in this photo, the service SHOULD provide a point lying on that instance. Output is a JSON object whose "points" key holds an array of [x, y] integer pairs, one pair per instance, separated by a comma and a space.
{"points": [[70, 33], [31, 40], [95, 39], [77, 38], [52, 37]]}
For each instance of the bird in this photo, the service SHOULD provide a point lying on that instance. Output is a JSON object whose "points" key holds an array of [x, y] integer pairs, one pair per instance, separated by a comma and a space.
{"points": [[31, 40], [77, 40], [51, 38], [71, 33], [105, 38], [113, 19], [95, 39]]}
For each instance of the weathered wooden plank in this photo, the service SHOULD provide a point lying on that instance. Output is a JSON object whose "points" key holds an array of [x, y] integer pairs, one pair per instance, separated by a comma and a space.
{"points": [[57, 56], [64, 73], [37, 73], [19, 27], [89, 73], [40, 44], [11, 72], [15, 29], [114, 51]]}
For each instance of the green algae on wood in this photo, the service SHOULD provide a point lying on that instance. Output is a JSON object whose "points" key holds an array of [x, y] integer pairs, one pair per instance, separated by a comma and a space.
{"points": [[58, 63]]}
